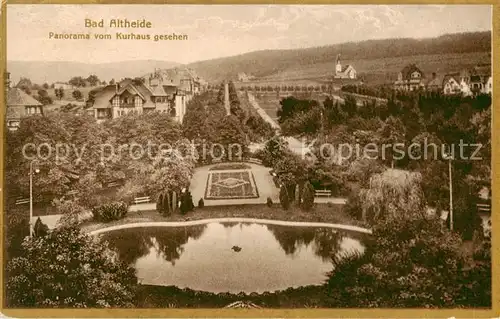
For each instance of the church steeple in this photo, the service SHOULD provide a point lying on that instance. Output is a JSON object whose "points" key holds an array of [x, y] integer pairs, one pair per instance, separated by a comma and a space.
{"points": [[338, 66]]}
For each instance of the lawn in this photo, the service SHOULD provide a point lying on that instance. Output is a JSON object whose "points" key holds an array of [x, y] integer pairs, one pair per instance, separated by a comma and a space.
{"points": [[323, 213], [270, 102]]}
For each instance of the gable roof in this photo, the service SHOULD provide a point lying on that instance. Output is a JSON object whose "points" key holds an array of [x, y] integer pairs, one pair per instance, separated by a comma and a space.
{"points": [[455, 76], [409, 69], [103, 97], [131, 89], [14, 112], [437, 81], [158, 90], [346, 67], [17, 96]]}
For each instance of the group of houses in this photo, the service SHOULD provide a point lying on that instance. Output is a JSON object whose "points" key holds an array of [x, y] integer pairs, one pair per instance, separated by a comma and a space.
{"points": [[165, 91], [243, 77], [468, 82]]}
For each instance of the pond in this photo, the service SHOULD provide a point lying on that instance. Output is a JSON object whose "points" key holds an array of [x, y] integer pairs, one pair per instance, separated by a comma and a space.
{"points": [[232, 257]]}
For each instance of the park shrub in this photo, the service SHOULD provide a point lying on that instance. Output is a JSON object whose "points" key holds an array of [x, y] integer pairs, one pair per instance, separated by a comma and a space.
{"points": [[16, 229], [187, 204], [201, 203], [109, 212], [284, 200], [269, 202], [73, 213], [40, 229], [166, 203], [68, 269], [307, 197]]}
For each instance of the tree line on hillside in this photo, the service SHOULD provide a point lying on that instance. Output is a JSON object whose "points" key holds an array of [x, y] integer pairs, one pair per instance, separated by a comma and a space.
{"points": [[41, 94], [267, 62]]}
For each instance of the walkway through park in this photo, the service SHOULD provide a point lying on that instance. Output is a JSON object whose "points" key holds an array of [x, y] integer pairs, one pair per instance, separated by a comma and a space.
{"points": [[298, 147]]}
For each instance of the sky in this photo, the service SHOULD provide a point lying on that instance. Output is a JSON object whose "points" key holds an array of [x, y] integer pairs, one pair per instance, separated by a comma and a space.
{"points": [[224, 30]]}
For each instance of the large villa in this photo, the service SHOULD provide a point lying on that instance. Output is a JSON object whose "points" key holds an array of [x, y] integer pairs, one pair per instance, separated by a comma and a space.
{"points": [[166, 91]]}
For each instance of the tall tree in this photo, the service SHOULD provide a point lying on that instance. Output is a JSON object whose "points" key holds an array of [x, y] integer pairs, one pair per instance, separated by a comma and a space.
{"points": [[77, 94], [59, 93], [93, 80]]}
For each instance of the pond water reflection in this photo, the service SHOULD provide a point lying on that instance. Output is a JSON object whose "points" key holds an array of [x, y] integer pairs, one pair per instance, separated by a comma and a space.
{"points": [[272, 257]]}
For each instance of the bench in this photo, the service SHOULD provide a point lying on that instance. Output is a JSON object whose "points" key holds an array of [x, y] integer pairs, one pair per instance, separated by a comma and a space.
{"points": [[323, 192], [484, 208], [255, 161], [22, 201], [142, 200], [112, 184]]}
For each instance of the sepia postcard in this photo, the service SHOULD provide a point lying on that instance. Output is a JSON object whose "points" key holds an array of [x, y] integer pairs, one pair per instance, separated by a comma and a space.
{"points": [[249, 160]]}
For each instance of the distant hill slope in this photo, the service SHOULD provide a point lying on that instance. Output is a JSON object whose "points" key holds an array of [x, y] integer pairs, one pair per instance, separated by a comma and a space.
{"points": [[270, 62], [40, 72]]}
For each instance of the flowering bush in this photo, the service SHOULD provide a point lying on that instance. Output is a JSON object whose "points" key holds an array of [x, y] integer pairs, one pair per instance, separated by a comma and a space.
{"points": [[67, 268], [109, 212]]}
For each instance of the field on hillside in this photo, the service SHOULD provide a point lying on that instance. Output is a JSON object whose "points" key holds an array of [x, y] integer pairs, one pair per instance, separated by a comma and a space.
{"points": [[270, 102], [279, 82], [385, 70], [269, 63], [68, 94]]}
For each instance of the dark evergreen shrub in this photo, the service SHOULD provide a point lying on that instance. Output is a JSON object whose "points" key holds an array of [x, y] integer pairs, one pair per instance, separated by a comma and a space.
{"points": [[269, 202], [284, 200]]}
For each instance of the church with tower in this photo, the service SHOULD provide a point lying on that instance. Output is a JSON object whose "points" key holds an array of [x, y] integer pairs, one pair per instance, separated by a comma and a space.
{"points": [[344, 72]]}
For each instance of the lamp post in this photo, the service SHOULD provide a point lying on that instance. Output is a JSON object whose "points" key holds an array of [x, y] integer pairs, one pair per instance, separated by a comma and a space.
{"points": [[449, 157], [31, 196]]}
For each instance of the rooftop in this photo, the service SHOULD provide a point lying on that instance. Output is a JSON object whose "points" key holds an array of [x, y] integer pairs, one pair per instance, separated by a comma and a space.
{"points": [[17, 96]]}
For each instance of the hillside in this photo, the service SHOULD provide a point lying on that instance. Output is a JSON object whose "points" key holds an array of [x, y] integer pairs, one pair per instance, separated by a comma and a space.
{"points": [[270, 62], [40, 71], [383, 70]]}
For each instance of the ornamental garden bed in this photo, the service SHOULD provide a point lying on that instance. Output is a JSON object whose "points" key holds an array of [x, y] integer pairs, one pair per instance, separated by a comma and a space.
{"points": [[229, 166], [231, 185]]}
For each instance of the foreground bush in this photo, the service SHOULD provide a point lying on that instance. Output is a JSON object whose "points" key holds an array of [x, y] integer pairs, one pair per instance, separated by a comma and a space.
{"points": [[411, 262], [109, 212], [67, 268]]}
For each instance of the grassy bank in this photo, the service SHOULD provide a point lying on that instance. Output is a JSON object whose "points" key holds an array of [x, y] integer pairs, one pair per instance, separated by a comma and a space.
{"points": [[325, 213], [173, 297]]}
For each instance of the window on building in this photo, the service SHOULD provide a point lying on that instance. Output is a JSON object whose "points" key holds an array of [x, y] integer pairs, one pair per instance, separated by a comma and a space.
{"points": [[116, 101], [138, 101], [415, 75]]}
